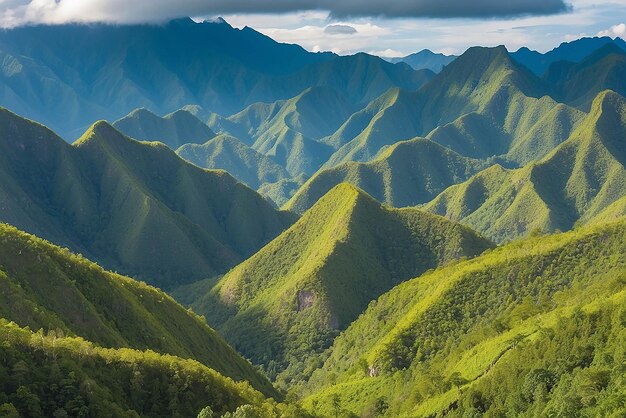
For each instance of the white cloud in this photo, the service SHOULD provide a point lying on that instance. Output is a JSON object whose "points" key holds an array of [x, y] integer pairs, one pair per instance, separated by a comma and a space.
{"points": [[614, 31]]}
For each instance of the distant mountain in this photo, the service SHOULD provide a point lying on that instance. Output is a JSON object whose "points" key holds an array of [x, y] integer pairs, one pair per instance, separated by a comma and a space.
{"points": [[289, 131], [45, 287], [405, 174], [174, 129], [67, 76], [133, 206], [574, 51], [580, 179], [481, 80], [425, 59], [530, 328], [291, 298], [225, 152], [579, 83]]}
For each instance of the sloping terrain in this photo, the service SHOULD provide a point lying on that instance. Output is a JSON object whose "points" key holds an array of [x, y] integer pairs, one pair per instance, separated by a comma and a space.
{"points": [[291, 298], [174, 129], [132, 206], [46, 287], [405, 174], [574, 183], [532, 327]]}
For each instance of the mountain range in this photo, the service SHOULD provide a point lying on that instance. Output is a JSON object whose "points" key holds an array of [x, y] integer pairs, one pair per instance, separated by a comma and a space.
{"points": [[334, 236], [292, 297], [67, 76], [133, 206]]}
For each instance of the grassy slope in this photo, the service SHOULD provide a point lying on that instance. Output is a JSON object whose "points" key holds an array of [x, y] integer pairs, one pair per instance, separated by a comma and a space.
{"points": [[470, 323], [290, 299], [135, 207], [289, 130], [228, 153], [576, 181], [480, 80], [174, 129], [44, 286], [405, 174]]}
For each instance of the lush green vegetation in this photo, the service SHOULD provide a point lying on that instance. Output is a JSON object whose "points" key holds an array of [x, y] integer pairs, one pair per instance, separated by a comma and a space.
{"points": [[581, 178], [174, 129], [135, 207], [405, 174], [46, 287], [532, 328], [45, 374], [228, 153], [292, 298]]}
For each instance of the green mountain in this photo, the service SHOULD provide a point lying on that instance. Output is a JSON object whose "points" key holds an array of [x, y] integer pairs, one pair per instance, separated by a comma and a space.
{"points": [[405, 174], [289, 131], [577, 181], [482, 80], [574, 51], [535, 328], [133, 206], [53, 375], [425, 59], [579, 83], [291, 298], [174, 130], [228, 153], [67, 76], [45, 287]]}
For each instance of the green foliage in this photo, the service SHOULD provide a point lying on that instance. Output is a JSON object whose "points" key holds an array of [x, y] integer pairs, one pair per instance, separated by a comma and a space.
{"points": [[135, 207], [48, 288], [533, 328], [292, 298], [69, 376], [408, 173], [582, 178]]}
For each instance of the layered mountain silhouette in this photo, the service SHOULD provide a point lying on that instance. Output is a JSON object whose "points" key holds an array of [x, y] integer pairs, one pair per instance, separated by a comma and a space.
{"points": [[67, 76], [174, 130], [132, 206], [578, 180], [574, 51], [479, 332], [292, 297], [425, 59]]}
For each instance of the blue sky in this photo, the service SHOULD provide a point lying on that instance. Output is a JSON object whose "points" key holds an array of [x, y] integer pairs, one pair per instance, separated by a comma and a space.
{"points": [[383, 27]]}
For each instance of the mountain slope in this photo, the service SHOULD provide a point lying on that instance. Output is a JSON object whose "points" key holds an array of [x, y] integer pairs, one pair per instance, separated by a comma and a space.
{"points": [[578, 84], [135, 207], [289, 130], [291, 298], [425, 59], [46, 287], [574, 51], [407, 173], [67, 76], [174, 130], [469, 336], [228, 153], [53, 375], [482, 80], [575, 182]]}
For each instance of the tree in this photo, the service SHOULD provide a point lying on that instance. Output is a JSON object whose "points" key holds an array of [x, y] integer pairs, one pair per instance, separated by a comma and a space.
{"points": [[336, 402], [206, 412]]}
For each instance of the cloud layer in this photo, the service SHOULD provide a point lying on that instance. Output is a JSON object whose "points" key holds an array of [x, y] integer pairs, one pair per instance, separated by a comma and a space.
{"points": [[16, 12]]}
